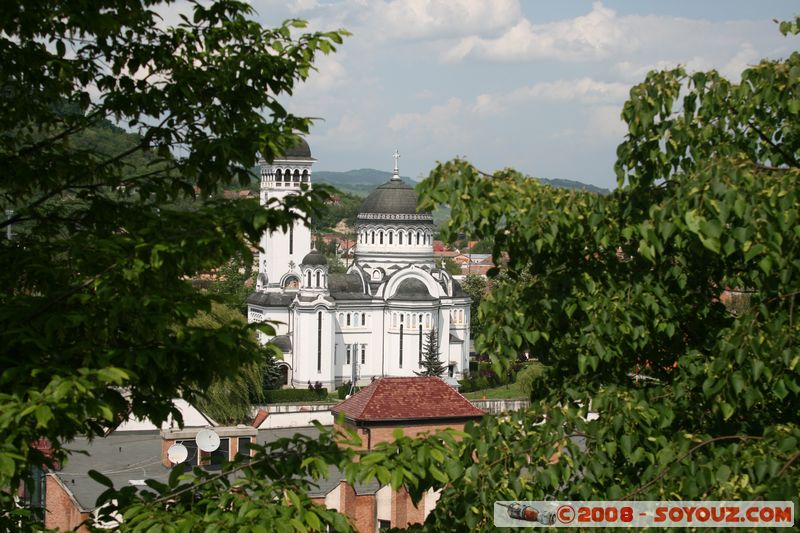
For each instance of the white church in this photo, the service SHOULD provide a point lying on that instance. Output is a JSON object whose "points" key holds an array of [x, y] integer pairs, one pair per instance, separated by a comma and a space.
{"points": [[371, 321]]}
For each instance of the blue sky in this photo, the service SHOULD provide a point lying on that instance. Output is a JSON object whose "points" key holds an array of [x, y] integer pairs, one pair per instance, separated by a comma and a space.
{"points": [[533, 85]]}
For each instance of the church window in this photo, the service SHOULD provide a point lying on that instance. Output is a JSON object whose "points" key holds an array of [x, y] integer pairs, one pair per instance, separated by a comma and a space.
{"points": [[348, 319], [401, 341], [278, 175], [317, 278], [296, 175], [380, 237], [319, 341], [363, 319], [400, 237], [420, 341], [417, 237], [291, 239], [391, 233], [349, 353], [355, 319], [363, 353], [410, 234], [308, 279], [372, 235], [305, 176]]}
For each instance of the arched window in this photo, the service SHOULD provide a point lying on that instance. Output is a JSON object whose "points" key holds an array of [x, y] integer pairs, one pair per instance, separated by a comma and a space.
{"points": [[355, 319], [410, 234], [278, 175], [308, 279], [305, 176], [363, 319], [318, 278], [417, 237], [380, 237], [296, 175], [372, 236], [391, 233], [400, 237], [348, 319]]}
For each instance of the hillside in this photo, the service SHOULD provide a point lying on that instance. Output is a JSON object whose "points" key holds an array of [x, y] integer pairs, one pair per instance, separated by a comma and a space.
{"points": [[362, 181]]}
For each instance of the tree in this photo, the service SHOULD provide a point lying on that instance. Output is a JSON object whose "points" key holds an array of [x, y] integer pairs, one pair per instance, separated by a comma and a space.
{"points": [[475, 286], [610, 290], [432, 365], [95, 299], [451, 267], [229, 400]]}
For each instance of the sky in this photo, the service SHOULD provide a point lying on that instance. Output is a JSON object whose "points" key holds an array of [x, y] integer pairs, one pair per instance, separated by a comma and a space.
{"points": [[533, 85]]}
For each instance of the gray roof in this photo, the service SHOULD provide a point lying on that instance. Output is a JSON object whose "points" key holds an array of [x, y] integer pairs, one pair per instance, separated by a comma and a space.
{"points": [[283, 342], [301, 150], [412, 289], [394, 197], [347, 287], [130, 455], [458, 291], [271, 299], [314, 258]]}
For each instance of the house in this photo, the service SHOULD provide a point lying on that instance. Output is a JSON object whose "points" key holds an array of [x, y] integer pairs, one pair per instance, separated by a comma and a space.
{"points": [[415, 405]]}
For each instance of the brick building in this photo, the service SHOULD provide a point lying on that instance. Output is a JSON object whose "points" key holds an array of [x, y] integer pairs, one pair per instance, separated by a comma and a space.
{"points": [[416, 405]]}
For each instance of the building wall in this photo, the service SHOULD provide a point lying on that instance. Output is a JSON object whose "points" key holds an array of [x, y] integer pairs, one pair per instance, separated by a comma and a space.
{"points": [[370, 436], [62, 511]]}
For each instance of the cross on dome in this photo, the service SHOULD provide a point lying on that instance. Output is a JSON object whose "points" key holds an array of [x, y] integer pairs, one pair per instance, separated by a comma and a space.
{"points": [[396, 172]]}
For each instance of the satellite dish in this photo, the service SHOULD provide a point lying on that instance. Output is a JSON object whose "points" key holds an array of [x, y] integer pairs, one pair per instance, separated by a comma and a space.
{"points": [[177, 453], [207, 440]]}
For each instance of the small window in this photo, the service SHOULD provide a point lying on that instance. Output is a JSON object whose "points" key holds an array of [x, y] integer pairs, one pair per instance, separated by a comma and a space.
{"points": [[391, 233], [348, 319], [349, 351], [400, 237], [380, 237], [243, 449], [363, 319], [363, 353], [318, 278]]}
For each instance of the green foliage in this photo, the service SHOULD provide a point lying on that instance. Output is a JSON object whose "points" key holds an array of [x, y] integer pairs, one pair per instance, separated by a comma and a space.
{"points": [[295, 395], [431, 364], [342, 207], [605, 288], [451, 267], [95, 299], [475, 286], [530, 378], [231, 283], [229, 400], [343, 390]]}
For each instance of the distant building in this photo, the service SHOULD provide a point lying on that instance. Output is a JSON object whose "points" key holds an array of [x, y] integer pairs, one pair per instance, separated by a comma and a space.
{"points": [[371, 321]]}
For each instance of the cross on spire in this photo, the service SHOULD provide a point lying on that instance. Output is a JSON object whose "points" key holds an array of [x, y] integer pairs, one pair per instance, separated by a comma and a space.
{"points": [[396, 171]]}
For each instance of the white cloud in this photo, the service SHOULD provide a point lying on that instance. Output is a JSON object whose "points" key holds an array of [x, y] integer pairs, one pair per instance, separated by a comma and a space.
{"points": [[590, 36], [583, 90], [605, 123], [417, 19], [745, 57]]}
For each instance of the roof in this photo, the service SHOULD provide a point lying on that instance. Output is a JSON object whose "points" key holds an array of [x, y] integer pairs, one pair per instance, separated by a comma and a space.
{"points": [[137, 455], [394, 200], [347, 287], [270, 299], [282, 342], [412, 289], [314, 258], [408, 398], [299, 150]]}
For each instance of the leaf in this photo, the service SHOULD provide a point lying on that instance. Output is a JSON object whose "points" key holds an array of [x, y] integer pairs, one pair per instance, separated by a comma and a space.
{"points": [[101, 478]]}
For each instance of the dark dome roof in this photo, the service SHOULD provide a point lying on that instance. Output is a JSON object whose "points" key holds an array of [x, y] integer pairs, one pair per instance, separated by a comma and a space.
{"points": [[283, 342], [394, 197], [301, 149], [412, 289], [314, 258]]}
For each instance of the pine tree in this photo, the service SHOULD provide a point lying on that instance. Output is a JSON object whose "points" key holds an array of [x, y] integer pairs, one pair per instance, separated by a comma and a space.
{"points": [[431, 364]]}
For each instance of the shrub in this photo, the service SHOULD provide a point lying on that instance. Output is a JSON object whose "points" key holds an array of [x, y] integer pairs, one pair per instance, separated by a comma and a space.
{"points": [[294, 395]]}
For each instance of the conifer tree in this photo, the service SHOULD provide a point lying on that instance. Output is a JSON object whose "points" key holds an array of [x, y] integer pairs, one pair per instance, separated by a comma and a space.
{"points": [[431, 364]]}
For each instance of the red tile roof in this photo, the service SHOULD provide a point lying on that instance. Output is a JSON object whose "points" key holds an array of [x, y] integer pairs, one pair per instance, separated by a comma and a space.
{"points": [[411, 398]]}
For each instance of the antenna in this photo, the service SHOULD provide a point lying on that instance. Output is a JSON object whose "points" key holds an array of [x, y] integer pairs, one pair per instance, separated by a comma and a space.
{"points": [[177, 453], [207, 440]]}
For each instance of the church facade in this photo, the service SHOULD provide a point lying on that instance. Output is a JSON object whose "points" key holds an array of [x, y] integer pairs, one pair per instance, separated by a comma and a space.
{"points": [[372, 320]]}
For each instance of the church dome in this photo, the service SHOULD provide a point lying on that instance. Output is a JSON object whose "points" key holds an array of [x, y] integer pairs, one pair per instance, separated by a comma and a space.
{"points": [[314, 258], [393, 198], [300, 150], [412, 289]]}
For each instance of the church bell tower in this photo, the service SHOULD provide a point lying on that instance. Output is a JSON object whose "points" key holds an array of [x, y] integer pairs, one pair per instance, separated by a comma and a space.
{"points": [[283, 251]]}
